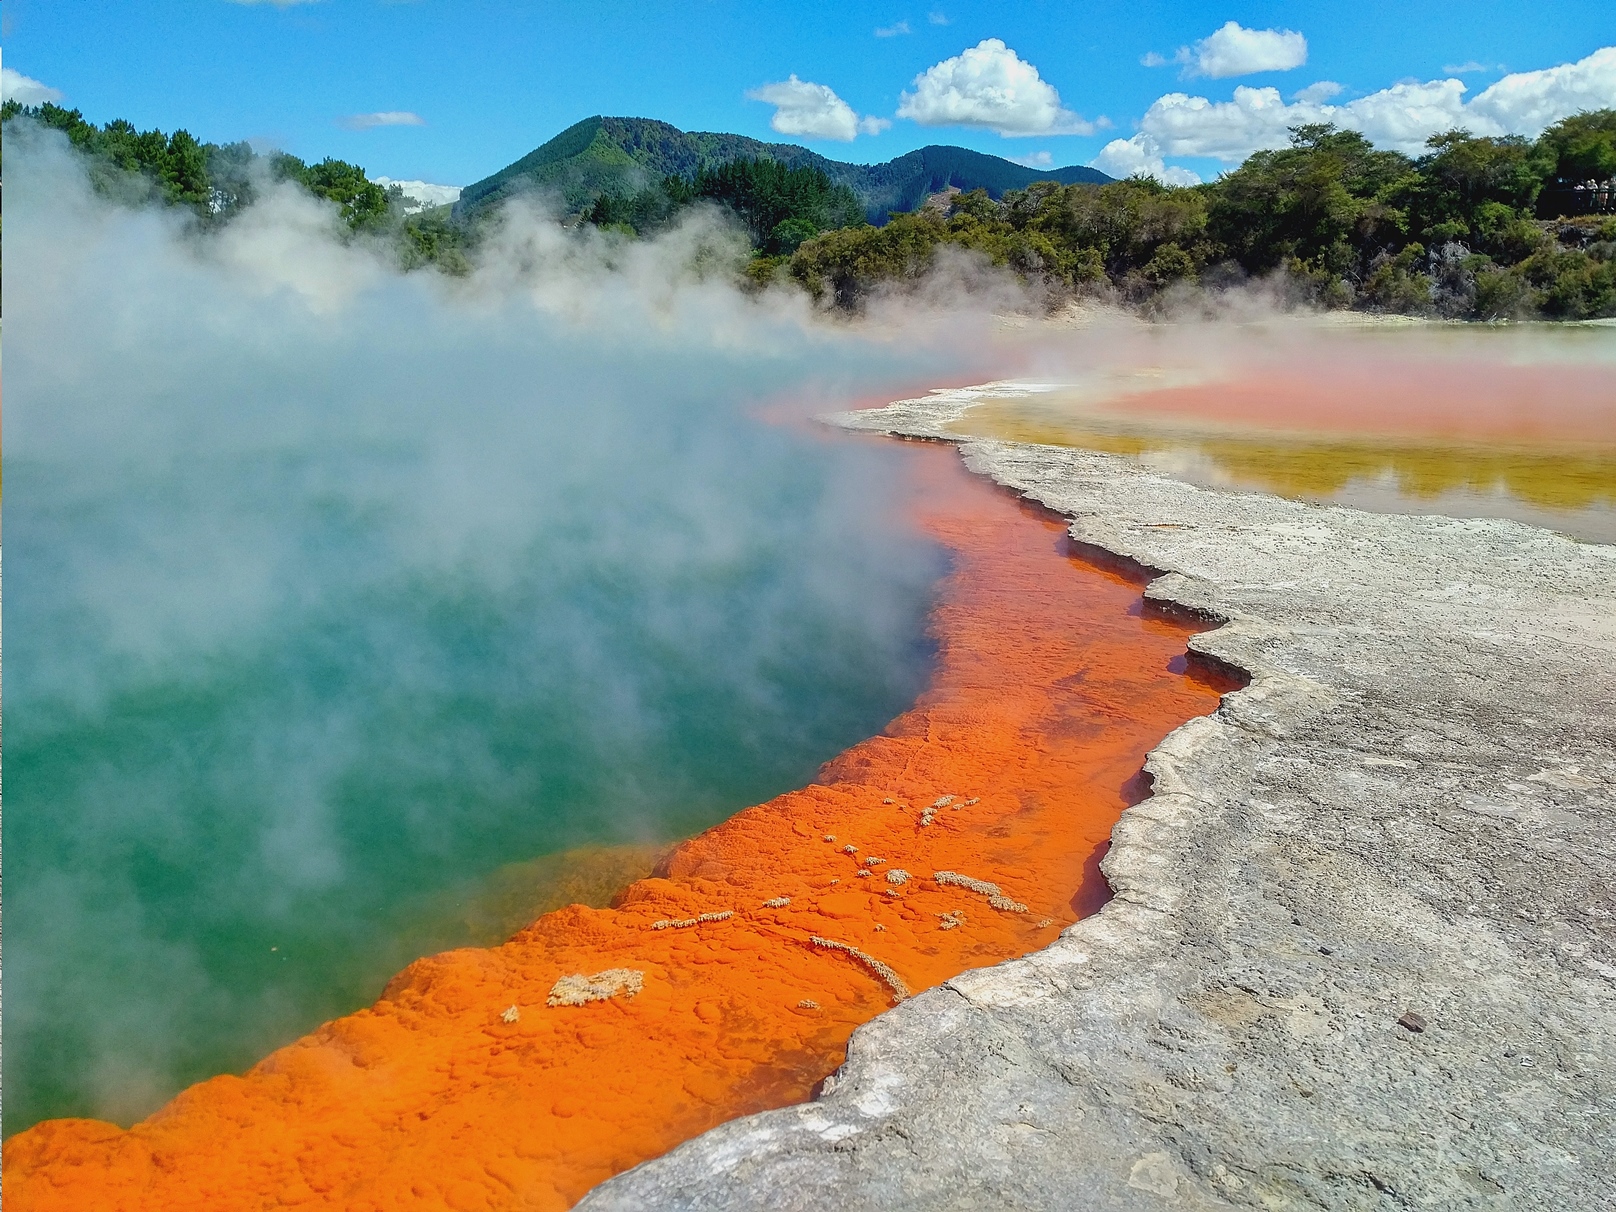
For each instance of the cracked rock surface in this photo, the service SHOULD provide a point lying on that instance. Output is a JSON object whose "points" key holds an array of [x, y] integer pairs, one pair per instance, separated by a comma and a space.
{"points": [[1408, 815]]}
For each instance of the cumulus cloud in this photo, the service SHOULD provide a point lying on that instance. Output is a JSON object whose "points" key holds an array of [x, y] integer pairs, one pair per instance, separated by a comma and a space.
{"points": [[25, 90], [421, 194], [1234, 50], [1402, 116], [1526, 102], [389, 117], [991, 87], [814, 111], [1141, 156], [892, 31], [1321, 91]]}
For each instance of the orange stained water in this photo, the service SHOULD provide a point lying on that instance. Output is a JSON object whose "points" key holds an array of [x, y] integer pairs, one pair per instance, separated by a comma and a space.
{"points": [[1368, 424], [731, 980], [1479, 400]]}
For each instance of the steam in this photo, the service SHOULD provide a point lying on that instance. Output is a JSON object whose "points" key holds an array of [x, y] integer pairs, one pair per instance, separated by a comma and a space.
{"points": [[336, 589], [333, 588]]}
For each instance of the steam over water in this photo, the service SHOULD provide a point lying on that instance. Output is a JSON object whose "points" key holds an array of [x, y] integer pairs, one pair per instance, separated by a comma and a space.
{"points": [[337, 596], [1466, 420], [333, 591]]}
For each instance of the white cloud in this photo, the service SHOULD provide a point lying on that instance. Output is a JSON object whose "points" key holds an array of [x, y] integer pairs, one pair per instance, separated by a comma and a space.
{"points": [[424, 193], [1182, 125], [1322, 91], [892, 31], [1233, 50], [389, 117], [1525, 102], [1038, 159], [1471, 67], [937, 19], [814, 111], [1140, 156], [25, 90], [1402, 116], [991, 87]]}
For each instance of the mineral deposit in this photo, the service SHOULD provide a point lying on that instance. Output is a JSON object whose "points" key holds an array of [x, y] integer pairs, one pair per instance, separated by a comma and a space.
{"points": [[1362, 951]]}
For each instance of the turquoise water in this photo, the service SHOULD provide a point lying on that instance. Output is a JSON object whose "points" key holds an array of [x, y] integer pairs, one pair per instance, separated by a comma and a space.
{"points": [[211, 850], [323, 607]]}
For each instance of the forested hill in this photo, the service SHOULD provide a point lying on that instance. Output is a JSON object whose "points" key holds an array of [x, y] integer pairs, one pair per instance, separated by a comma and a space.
{"points": [[620, 156], [1477, 227]]}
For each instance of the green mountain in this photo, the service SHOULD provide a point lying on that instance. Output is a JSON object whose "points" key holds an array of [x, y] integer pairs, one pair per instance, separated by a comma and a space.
{"points": [[622, 155]]}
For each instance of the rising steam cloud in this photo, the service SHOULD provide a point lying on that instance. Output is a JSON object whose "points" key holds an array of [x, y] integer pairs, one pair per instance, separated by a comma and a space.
{"points": [[332, 587]]}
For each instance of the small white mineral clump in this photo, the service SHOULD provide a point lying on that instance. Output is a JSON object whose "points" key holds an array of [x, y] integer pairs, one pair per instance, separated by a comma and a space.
{"points": [[900, 991], [579, 990], [684, 923], [993, 892], [511, 1015], [897, 876]]}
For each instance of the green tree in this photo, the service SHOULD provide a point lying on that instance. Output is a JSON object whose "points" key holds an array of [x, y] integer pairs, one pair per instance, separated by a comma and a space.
{"points": [[1124, 224], [1321, 207], [363, 203], [1580, 148], [768, 196], [1470, 189]]}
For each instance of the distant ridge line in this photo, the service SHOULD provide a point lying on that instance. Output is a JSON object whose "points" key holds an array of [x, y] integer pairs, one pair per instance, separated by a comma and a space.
{"points": [[621, 155]]}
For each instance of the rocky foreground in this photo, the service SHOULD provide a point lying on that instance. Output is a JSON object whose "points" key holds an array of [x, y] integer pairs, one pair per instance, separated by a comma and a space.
{"points": [[1362, 951]]}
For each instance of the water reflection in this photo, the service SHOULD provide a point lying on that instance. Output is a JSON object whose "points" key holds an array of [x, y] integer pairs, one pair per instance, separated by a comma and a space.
{"points": [[1469, 430]]}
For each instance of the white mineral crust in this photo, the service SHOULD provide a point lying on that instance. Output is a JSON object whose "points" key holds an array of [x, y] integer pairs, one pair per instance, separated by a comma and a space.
{"points": [[1410, 809]]}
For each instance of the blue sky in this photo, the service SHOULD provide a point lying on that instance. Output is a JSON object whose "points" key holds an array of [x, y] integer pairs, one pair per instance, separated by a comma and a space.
{"points": [[480, 83]]}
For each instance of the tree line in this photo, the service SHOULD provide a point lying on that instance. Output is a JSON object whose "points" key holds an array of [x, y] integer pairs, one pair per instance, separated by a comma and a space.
{"points": [[217, 181], [1470, 229], [1476, 227]]}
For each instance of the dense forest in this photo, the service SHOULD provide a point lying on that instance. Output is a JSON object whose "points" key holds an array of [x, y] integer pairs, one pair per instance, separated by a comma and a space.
{"points": [[781, 207], [1475, 228], [1471, 229]]}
